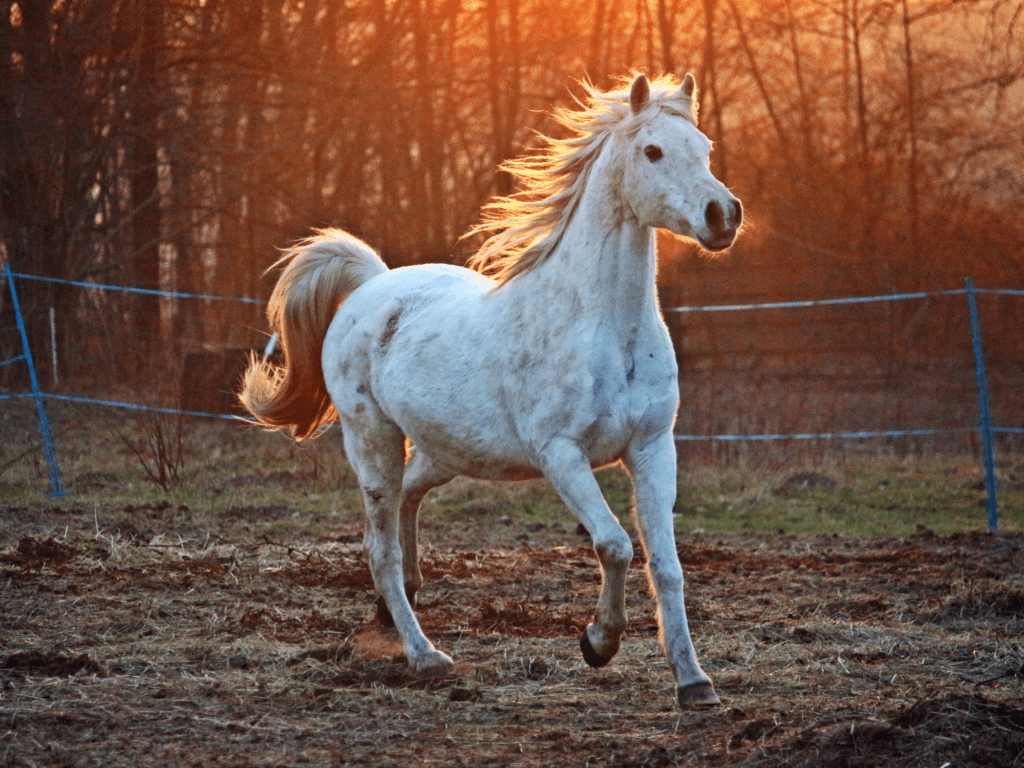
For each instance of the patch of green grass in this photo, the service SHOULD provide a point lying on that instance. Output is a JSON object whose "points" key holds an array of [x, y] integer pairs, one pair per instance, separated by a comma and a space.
{"points": [[857, 498], [232, 466]]}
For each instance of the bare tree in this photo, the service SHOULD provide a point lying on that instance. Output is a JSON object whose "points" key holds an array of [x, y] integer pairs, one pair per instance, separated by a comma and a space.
{"points": [[708, 91], [666, 33], [143, 22], [179, 143]]}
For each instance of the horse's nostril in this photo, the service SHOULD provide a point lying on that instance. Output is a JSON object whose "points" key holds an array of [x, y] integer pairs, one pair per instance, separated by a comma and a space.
{"points": [[714, 216], [736, 213]]}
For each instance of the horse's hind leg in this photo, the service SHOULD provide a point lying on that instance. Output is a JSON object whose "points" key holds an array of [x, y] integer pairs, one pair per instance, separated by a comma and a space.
{"points": [[421, 475], [569, 472], [376, 449]]}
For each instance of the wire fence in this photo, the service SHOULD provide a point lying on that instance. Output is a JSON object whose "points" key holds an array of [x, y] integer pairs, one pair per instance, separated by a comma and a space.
{"points": [[706, 379], [969, 292]]}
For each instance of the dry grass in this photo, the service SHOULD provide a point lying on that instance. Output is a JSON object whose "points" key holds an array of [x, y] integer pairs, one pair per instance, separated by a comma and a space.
{"points": [[247, 651], [233, 623]]}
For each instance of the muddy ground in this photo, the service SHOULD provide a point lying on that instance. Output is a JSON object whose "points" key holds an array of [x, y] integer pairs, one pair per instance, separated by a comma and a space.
{"points": [[123, 644]]}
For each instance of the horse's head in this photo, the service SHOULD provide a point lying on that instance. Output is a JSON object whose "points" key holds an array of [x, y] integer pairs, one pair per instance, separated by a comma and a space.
{"points": [[667, 177]]}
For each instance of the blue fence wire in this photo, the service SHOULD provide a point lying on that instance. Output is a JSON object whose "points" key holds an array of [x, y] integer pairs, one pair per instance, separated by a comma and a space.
{"points": [[119, 404], [846, 300], [123, 289], [130, 289], [50, 450], [985, 428]]}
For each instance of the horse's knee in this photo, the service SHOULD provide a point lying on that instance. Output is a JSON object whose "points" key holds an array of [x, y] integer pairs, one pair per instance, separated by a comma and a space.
{"points": [[382, 520], [615, 552]]}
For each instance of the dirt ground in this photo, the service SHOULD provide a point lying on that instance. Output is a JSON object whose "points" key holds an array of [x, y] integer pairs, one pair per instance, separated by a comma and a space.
{"points": [[122, 645]]}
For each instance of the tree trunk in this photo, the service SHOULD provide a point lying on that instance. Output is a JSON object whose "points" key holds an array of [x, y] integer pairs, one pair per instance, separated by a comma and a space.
{"points": [[912, 203], [667, 35], [710, 76], [595, 54], [503, 85], [144, 179], [428, 167]]}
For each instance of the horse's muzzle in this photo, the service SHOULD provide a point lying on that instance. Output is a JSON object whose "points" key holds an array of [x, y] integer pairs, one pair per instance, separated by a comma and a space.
{"points": [[722, 224]]}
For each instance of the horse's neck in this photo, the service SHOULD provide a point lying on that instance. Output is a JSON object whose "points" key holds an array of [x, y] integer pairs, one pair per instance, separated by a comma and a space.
{"points": [[604, 265]]}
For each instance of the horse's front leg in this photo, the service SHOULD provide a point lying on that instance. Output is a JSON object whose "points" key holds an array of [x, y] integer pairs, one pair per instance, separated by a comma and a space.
{"points": [[653, 468], [569, 471]]}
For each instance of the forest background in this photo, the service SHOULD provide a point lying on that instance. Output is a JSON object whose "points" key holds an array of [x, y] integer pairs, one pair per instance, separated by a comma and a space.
{"points": [[179, 144]]}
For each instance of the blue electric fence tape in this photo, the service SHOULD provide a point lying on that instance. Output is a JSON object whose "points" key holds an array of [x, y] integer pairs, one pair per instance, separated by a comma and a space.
{"points": [[985, 427]]}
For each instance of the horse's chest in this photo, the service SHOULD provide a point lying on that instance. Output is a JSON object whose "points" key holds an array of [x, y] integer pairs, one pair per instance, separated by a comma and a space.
{"points": [[636, 395]]}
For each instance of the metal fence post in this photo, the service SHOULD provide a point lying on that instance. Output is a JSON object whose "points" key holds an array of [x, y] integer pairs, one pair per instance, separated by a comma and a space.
{"points": [[984, 421], [56, 483]]}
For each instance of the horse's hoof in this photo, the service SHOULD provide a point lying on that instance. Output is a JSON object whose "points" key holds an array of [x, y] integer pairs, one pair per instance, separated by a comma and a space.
{"points": [[696, 695], [384, 613], [592, 657], [433, 664]]}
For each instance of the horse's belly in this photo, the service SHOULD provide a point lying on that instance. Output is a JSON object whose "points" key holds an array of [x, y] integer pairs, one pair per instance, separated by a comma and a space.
{"points": [[474, 432], [470, 453]]}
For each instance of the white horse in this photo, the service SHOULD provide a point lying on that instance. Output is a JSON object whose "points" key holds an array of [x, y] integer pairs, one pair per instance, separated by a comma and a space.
{"points": [[555, 364]]}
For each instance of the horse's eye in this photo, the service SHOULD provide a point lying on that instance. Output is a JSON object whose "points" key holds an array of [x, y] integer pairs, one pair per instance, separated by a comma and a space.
{"points": [[654, 153]]}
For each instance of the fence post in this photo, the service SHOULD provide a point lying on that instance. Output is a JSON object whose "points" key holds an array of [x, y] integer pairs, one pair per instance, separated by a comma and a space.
{"points": [[984, 421], [56, 483]]}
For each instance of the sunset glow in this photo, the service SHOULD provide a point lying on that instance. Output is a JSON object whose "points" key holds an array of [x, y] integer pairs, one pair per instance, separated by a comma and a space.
{"points": [[207, 135]]}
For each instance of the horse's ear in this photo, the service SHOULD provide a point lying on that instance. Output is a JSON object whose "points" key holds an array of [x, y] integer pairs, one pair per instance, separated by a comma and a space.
{"points": [[639, 93], [688, 88]]}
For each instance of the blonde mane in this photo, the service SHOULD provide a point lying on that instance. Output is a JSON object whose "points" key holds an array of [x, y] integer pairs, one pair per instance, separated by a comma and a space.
{"points": [[528, 225]]}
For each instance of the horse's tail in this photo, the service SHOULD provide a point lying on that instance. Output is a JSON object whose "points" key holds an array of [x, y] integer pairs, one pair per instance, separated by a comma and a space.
{"points": [[319, 274]]}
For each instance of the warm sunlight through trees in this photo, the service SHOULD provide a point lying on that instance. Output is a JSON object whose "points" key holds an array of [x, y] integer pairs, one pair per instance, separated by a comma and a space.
{"points": [[876, 144]]}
